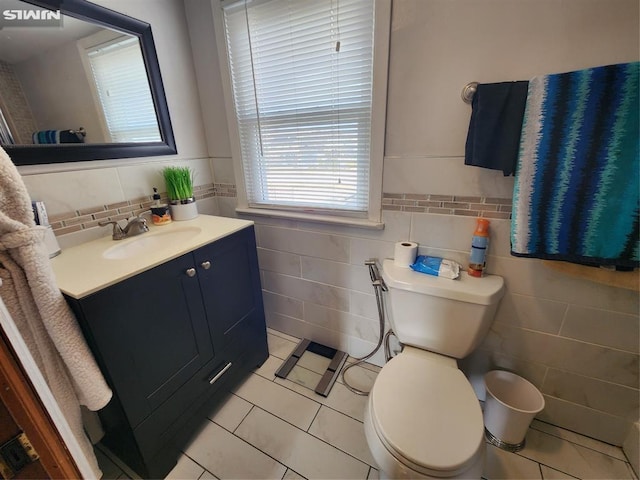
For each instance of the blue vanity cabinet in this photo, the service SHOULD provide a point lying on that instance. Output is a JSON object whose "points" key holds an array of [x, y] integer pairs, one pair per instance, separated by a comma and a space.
{"points": [[228, 265], [171, 341], [150, 333]]}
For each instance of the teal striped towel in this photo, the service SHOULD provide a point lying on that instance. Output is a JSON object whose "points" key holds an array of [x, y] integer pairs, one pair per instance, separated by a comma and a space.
{"points": [[576, 193]]}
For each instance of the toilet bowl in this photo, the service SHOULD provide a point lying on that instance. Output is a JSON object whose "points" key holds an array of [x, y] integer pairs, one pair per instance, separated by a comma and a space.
{"points": [[423, 419]]}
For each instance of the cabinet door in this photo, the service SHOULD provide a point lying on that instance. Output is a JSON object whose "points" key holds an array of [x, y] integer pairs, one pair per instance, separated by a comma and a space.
{"points": [[230, 285], [150, 333]]}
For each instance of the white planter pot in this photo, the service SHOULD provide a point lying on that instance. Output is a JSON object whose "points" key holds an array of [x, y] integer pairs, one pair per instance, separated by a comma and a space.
{"points": [[184, 209]]}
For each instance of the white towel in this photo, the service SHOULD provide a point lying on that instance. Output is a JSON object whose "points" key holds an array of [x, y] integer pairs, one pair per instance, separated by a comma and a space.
{"points": [[39, 310]]}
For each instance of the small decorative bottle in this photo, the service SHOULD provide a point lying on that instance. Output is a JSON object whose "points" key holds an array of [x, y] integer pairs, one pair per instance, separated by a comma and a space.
{"points": [[159, 211], [479, 245]]}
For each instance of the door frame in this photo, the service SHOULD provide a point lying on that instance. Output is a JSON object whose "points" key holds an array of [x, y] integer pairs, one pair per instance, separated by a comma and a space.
{"points": [[36, 409]]}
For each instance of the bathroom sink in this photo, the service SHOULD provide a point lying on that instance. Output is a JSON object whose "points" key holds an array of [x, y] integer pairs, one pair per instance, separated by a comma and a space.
{"points": [[139, 245]]}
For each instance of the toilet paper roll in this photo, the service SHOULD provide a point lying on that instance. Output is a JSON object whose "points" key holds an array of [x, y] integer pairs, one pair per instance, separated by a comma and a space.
{"points": [[405, 254]]}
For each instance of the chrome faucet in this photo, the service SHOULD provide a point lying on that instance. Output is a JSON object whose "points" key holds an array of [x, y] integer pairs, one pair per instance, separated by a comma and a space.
{"points": [[135, 226]]}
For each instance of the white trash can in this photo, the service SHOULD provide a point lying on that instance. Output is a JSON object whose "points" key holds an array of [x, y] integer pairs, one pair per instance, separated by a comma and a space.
{"points": [[511, 404]]}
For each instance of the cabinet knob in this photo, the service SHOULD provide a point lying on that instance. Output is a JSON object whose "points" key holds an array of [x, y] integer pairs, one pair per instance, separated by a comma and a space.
{"points": [[206, 265], [191, 272]]}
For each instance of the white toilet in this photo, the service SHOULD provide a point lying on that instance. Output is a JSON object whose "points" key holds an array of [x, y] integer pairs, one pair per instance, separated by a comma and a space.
{"points": [[423, 419]]}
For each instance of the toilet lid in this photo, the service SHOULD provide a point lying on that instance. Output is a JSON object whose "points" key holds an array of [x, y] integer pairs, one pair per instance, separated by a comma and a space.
{"points": [[427, 414]]}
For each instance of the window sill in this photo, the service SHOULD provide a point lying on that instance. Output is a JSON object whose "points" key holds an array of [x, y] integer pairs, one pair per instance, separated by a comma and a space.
{"points": [[326, 219]]}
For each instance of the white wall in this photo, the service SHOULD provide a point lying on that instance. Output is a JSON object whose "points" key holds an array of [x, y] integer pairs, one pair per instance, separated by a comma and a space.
{"points": [[438, 46]]}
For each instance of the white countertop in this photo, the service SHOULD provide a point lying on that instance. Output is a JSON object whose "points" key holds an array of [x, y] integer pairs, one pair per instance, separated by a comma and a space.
{"points": [[83, 270]]}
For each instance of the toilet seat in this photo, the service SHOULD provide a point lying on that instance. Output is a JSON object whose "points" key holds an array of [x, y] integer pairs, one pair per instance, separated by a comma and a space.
{"points": [[426, 414]]}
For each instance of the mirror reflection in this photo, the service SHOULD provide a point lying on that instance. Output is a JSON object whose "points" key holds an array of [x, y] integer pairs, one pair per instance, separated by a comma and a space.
{"points": [[78, 83]]}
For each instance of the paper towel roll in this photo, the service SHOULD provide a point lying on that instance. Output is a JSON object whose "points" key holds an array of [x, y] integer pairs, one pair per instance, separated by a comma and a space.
{"points": [[405, 254]]}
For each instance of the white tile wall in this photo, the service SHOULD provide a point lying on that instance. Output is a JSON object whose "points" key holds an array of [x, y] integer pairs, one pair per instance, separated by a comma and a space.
{"points": [[571, 458], [596, 394], [330, 247], [67, 191], [631, 447], [437, 47], [602, 327]]}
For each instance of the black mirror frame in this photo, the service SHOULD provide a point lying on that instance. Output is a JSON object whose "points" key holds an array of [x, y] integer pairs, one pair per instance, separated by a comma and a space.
{"points": [[47, 154]]}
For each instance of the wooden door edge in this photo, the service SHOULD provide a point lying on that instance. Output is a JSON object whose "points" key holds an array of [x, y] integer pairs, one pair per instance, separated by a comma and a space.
{"points": [[25, 406]]}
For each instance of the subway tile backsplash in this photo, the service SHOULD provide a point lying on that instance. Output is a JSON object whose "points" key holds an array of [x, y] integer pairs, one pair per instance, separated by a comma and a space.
{"points": [[85, 218]]}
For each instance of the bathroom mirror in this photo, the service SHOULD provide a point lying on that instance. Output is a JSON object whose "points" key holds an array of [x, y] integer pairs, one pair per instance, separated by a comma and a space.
{"points": [[79, 82]]}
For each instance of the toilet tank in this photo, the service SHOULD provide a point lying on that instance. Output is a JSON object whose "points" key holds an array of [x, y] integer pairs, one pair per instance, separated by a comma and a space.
{"points": [[450, 317]]}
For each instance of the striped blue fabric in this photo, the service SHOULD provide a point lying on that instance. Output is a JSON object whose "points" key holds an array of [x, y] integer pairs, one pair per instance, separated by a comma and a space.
{"points": [[577, 185]]}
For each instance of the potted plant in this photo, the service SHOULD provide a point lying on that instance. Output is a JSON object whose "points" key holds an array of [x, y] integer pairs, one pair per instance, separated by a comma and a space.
{"points": [[179, 182]]}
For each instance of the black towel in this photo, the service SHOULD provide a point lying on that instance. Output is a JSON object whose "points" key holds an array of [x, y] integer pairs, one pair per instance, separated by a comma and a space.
{"points": [[496, 121], [70, 136]]}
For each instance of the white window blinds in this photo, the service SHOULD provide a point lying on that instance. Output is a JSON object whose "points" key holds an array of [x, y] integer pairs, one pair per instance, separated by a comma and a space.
{"points": [[123, 88], [301, 73]]}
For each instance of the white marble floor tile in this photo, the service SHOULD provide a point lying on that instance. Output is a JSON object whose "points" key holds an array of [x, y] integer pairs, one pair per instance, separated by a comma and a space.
{"points": [[185, 468], [549, 473], [267, 444], [339, 398], [227, 456], [280, 347], [231, 412], [304, 377], [314, 362], [127, 472], [109, 469], [571, 458], [344, 401], [286, 404], [298, 450], [269, 367], [367, 365], [500, 464], [591, 443], [207, 476], [342, 432], [360, 377], [291, 475]]}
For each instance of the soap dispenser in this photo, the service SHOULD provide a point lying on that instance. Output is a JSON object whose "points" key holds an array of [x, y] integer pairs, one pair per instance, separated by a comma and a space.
{"points": [[159, 211]]}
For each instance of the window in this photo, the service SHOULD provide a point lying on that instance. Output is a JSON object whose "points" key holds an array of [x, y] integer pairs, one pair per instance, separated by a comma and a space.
{"points": [[309, 108], [123, 90]]}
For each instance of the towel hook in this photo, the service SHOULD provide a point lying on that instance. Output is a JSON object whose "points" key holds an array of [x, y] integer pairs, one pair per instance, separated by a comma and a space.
{"points": [[469, 91]]}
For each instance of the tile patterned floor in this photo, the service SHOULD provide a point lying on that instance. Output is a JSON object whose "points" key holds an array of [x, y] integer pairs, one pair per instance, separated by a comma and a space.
{"points": [[275, 428]]}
